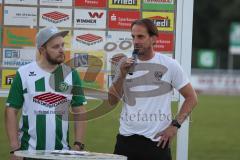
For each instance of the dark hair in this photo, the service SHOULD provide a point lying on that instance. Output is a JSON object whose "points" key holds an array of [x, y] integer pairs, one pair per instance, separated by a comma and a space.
{"points": [[148, 24]]}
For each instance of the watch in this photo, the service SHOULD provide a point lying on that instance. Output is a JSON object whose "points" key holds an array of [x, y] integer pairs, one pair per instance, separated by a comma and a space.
{"points": [[80, 145], [175, 123]]}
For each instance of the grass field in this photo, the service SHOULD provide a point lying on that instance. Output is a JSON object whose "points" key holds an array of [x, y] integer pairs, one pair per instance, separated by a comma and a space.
{"points": [[214, 130]]}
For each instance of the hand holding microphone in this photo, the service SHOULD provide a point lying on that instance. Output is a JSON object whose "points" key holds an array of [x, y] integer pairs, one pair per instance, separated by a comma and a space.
{"points": [[128, 64], [134, 57]]}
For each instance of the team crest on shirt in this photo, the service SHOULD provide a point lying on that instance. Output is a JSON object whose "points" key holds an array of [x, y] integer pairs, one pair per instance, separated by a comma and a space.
{"points": [[50, 99], [158, 75], [32, 73], [63, 86]]}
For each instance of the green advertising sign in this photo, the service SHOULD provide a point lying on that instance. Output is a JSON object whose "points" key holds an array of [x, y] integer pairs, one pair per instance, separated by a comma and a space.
{"points": [[234, 47], [158, 5], [206, 59]]}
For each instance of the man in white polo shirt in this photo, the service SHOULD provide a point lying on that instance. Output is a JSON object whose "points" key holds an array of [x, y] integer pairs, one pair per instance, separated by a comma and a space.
{"points": [[44, 90], [146, 124]]}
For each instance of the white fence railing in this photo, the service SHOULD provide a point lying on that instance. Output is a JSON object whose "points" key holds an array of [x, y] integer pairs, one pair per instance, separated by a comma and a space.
{"points": [[223, 82]]}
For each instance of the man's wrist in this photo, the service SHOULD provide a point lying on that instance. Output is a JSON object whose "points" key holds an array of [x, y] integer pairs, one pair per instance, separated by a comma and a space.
{"points": [[14, 146], [175, 123], [122, 76]]}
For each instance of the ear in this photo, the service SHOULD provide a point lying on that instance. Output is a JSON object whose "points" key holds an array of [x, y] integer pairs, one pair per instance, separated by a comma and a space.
{"points": [[38, 55], [42, 50]]}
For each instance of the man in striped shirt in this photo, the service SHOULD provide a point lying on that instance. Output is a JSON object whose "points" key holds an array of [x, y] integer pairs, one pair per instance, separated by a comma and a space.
{"points": [[44, 90]]}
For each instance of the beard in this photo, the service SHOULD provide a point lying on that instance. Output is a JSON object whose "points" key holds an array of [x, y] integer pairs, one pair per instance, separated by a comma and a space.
{"points": [[142, 50], [54, 61]]}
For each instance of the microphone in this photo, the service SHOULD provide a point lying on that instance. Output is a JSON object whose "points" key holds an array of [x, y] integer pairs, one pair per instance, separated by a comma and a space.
{"points": [[134, 56]]}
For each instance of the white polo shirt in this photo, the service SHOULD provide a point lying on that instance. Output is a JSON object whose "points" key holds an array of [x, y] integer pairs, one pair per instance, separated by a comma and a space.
{"points": [[147, 96]]}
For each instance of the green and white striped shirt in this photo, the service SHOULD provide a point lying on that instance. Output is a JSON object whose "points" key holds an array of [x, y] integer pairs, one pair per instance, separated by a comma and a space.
{"points": [[45, 99]]}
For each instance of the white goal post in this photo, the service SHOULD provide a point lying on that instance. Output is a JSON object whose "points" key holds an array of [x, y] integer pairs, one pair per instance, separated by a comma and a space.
{"points": [[184, 23]]}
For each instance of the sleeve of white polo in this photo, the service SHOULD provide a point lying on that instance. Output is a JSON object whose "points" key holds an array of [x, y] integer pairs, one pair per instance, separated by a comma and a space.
{"points": [[179, 77]]}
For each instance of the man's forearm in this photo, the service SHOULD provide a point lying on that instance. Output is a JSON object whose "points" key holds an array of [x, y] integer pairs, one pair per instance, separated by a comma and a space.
{"points": [[11, 124], [189, 103], [186, 109], [80, 128], [115, 92], [80, 124]]}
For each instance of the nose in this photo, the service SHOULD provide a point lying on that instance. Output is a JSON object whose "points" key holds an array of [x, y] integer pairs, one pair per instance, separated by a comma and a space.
{"points": [[135, 41], [62, 49]]}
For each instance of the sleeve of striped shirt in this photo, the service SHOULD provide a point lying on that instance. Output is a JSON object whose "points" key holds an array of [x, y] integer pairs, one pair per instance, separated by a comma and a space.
{"points": [[15, 97], [78, 98]]}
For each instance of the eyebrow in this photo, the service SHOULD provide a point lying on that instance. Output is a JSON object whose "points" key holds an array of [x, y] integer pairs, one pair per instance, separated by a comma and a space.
{"points": [[140, 35], [62, 44]]}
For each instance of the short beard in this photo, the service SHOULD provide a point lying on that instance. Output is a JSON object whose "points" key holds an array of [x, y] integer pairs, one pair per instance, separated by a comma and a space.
{"points": [[51, 60], [144, 51]]}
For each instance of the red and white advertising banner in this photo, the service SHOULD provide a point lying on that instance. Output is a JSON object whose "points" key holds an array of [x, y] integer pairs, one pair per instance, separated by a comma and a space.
{"points": [[88, 40], [122, 19], [91, 3], [55, 16], [89, 18], [165, 42]]}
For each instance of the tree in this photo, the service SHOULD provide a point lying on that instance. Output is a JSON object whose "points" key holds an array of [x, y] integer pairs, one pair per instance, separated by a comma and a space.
{"points": [[212, 20]]}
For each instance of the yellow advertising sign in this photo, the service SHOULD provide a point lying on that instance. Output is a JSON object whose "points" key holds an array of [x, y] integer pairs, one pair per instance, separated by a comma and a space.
{"points": [[7, 78], [96, 61], [67, 56], [68, 40], [125, 4], [163, 20]]}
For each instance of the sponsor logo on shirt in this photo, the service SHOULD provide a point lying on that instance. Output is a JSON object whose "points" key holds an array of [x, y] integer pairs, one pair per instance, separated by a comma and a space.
{"points": [[158, 75], [63, 86], [50, 99], [31, 73]]}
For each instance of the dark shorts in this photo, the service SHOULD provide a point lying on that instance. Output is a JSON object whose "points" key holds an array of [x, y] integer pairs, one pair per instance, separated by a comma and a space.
{"points": [[138, 147]]}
